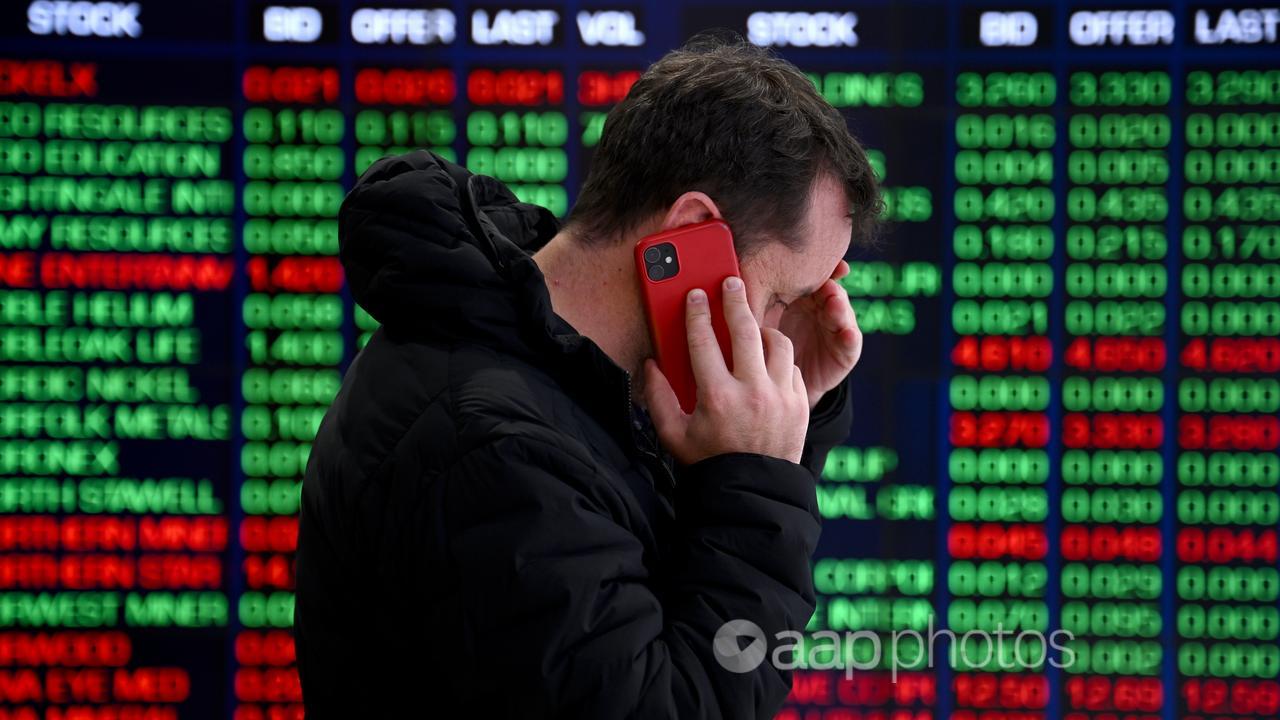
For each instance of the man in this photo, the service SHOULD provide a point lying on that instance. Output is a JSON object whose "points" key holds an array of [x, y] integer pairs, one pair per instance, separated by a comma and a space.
{"points": [[491, 523]]}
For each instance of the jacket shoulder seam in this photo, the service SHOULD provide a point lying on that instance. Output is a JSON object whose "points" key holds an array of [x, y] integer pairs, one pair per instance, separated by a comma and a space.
{"points": [[394, 450]]}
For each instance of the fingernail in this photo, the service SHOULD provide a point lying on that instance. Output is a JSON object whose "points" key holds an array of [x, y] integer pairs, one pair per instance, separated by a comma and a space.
{"points": [[696, 295], [733, 282]]}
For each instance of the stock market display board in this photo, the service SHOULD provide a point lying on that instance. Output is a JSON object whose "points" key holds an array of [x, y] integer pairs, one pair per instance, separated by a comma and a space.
{"points": [[1067, 412]]}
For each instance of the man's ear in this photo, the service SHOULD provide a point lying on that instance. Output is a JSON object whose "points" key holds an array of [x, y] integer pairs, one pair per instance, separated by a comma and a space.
{"points": [[691, 207]]}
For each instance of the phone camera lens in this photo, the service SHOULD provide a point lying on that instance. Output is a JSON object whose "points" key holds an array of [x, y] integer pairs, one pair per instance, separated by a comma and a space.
{"points": [[652, 255], [656, 272]]}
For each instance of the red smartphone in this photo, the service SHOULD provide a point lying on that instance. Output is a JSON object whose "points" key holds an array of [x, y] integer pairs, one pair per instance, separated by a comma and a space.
{"points": [[670, 264]]}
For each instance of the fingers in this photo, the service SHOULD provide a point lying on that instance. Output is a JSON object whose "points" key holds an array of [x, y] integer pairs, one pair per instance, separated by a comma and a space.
{"points": [[797, 381], [704, 351], [834, 309], [836, 316], [779, 356], [846, 335], [842, 269], [744, 332], [854, 334]]}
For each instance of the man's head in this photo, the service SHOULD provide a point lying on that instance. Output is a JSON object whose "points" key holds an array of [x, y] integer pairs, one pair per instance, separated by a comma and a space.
{"points": [[723, 129]]}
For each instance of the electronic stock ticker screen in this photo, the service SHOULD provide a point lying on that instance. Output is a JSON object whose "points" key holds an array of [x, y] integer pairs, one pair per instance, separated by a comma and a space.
{"points": [[1066, 415]]}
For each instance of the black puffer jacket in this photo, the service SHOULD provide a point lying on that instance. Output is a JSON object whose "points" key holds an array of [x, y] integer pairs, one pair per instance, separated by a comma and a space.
{"points": [[488, 528]]}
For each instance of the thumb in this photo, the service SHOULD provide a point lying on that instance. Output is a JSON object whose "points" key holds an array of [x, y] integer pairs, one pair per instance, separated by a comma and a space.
{"points": [[664, 407]]}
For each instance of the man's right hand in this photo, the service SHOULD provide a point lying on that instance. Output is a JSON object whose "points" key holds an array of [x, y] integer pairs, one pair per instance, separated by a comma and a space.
{"points": [[760, 407]]}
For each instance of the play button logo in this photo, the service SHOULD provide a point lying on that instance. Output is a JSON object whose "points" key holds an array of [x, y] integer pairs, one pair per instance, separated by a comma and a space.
{"points": [[739, 646]]}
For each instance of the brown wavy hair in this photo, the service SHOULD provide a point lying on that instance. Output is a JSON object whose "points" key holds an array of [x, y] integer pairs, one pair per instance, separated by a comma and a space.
{"points": [[737, 122]]}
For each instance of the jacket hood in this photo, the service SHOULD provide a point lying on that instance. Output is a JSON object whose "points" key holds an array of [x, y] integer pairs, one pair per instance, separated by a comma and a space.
{"points": [[429, 247], [434, 251]]}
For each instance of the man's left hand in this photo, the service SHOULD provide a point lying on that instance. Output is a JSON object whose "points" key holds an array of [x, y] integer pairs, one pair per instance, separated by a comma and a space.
{"points": [[825, 334]]}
